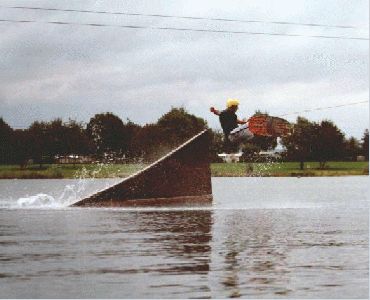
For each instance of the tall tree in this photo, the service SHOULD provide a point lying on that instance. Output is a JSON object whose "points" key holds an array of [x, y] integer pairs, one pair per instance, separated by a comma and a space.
{"points": [[6, 144], [301, 143], [56, 138], [352, 149], [172, 129], [23, 147], [39, 141], [178, 125], [365, 144], [76, 139], [130, 133], [148, 143], [107, 132], [330, 143]]}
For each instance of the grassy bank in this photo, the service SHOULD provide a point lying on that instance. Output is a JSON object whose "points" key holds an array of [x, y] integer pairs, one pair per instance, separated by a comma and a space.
{"points": [[69, 171], [285, 169], [288, 169]]}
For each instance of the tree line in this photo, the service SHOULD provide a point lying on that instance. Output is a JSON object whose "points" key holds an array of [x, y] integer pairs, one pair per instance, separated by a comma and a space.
{"points": [[107, 135], [104, 135], [323, 141]]}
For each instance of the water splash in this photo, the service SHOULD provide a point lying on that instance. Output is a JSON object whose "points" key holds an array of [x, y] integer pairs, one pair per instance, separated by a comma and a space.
{"points": [[70, 194], [262, 168], [37, 201], [83, 185]]}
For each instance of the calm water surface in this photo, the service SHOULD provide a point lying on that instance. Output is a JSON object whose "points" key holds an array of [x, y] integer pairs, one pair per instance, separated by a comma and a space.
{"points": [[261, 238]]}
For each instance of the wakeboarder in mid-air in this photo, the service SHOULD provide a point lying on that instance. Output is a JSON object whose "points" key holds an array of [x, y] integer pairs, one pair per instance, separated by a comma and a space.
{"points": [[257, 125], [234, 134]]}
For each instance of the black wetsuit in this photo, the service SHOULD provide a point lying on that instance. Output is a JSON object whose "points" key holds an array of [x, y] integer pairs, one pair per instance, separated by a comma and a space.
{"points": [[229, 121]]}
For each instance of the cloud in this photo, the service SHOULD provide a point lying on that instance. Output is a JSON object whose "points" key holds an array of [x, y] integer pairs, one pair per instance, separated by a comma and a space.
{"points": [[76, 71]]}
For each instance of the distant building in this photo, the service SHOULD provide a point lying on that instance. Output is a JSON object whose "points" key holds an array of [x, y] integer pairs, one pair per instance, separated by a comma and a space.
{"points": [[270, 154], [73, 159], [232, 157], [360, 158]]}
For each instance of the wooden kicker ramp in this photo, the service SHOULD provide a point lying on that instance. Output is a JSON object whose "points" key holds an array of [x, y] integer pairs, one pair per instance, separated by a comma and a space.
{"points": [[181, 176]]}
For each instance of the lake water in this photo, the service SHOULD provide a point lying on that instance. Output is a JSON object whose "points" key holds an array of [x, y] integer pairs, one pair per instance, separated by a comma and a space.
{"points": [[261, 238]]}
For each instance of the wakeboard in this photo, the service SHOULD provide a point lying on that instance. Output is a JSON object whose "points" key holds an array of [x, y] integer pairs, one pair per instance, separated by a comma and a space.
{"points": [[260, 125], [265, 125]]}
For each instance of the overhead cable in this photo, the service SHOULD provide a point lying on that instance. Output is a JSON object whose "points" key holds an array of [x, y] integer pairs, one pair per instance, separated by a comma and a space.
{"points": [[324, 108], [183, 29], [182, 17]]}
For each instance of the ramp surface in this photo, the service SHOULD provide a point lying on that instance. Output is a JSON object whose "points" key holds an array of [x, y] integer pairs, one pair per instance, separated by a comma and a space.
{"points": [[183, 175]]}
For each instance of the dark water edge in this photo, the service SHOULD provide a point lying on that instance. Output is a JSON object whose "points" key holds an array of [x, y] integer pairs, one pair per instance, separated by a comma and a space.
{"points": [[225, 174]]}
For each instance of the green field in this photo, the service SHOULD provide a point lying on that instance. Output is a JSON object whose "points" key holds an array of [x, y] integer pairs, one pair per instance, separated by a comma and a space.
{"points": [[69, 171], [290, 169], [217, 169]]}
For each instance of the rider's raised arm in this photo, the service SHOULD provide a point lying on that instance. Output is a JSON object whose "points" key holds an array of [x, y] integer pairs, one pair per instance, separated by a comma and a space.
{"points": [[215, 111]]}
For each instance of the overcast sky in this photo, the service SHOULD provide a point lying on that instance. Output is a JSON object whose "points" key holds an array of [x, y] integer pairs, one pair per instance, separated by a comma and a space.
{"points": [[71, 71]]}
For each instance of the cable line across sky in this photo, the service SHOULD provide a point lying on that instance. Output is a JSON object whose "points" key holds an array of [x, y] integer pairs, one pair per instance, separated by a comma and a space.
{"points": [[324, 108], [182, 29], [181, 17]]}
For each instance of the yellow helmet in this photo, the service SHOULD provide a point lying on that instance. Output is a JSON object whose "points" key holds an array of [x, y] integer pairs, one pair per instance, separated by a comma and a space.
{"points": [[232, 102]]}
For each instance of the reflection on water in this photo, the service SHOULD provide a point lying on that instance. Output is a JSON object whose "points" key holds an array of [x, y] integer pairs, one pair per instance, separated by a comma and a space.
{"points": [[251, 259], [183, 235], [242, 246], [184, 254], [109, 253], [290, 253]]}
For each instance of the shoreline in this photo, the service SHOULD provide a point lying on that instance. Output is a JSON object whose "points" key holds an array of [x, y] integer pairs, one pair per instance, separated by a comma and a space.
{"points": [[276, 169]]}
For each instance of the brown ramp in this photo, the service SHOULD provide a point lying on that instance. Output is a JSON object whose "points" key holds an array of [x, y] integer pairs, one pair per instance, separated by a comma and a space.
{"points": [[183, 175]]}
